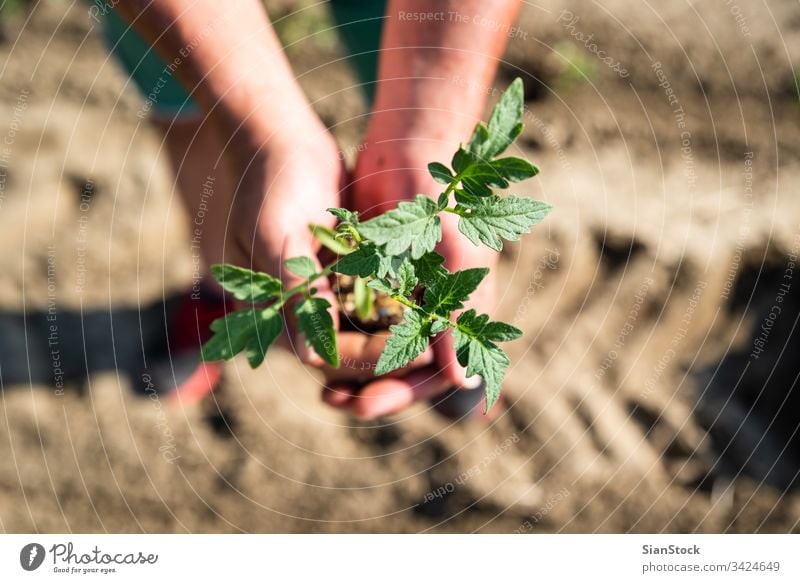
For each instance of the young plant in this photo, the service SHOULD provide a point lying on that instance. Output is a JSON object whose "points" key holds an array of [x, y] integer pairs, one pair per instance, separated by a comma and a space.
{"points": [[394, 253]]}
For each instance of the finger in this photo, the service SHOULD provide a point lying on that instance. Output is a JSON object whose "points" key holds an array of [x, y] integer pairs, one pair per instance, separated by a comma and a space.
{"points": [[385, 396], [359, 354], [338, 397], [304, 246]]}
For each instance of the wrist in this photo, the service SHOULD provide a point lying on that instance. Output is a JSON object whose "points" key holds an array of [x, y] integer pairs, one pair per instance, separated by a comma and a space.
{"points": [[268, 139]]}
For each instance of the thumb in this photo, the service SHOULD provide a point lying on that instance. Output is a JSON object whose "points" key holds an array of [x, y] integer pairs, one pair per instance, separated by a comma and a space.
{"points": [[303, 247]]}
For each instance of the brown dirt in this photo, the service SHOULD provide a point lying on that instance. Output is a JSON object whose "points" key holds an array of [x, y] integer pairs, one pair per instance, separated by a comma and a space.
{"points": [[639, 299]]}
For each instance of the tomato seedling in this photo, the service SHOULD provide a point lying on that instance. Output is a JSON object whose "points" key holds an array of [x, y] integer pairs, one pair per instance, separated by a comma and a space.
{"points": [[394, 254]]}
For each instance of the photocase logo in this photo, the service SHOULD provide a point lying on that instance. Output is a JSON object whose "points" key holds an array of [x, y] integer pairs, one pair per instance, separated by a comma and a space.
{"points": [[31, 556]]}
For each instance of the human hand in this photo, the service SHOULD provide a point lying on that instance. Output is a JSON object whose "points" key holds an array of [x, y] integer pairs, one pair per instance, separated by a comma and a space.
{"points": [[387, 173], [284, 187]]}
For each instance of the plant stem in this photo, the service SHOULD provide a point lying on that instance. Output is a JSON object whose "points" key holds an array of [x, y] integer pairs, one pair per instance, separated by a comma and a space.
{"points": [[302, 287], [409, 304]]}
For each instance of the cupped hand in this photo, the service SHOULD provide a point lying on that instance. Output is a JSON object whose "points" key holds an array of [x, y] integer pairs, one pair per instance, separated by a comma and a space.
{"points": [[385, 174], [284, 187]]}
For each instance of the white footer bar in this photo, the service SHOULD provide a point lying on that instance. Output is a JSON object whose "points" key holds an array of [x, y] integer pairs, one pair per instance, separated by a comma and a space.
{"points": [[406, 558]]}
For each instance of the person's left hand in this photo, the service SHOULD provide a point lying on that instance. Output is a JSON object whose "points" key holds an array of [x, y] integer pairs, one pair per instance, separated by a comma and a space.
{"points": [[385, 174]]}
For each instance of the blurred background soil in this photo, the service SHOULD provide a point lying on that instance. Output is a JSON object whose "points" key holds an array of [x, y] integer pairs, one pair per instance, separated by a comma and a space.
{"points": [[635, 401]]}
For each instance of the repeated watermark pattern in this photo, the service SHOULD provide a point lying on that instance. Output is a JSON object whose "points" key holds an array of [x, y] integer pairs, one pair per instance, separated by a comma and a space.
{"points": [[168, 448], [775, 310], [680, 335], [547, 262], [195, 244], [685, 135], [53, 337], [472, 471], [744, 227], [569, 21], [627, 328], [546, 509], [6, 150], [82, 236], [453, 16]]}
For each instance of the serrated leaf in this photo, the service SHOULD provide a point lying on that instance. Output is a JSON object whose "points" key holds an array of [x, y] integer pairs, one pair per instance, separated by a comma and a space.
{"points": [[413, 225], [514, 169], [480, 326], [302, 266], [440, 325], [231, 334], [344, 215], [409, 339], [268, 327], [479, 137], [479, 354], [429, 268], [314, 320], [381, 285], [389, 264], [246, 285], [461, 160], [467, 200], [440, 173], [505, 123], [501, 218], [362, 262], [406, 279], [328, 238], [451, 291], [476, 188], [483, 173], [490, 362]]}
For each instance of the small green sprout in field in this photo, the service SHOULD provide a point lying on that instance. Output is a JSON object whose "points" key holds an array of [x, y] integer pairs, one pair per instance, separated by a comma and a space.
{"points": [[393, 253]]}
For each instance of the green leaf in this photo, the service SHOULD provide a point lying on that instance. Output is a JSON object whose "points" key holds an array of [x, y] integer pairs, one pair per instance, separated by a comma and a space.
{"points": [[480, 326], [302, 266], [314, 320], [413, 225], [449, 292], [246, 285], [381, 285], [406, 279], [476, 188], [483, 173], [268, 327], [514, 169], [501, 218], [363, 262], [409, 339], [390, 264], [363, 297], [462, 159], [440, 173], [476, 351], [468, 200], [327, 237], [479, 137], [505, 124], [476, 176], [344, 215], [231, 334], [440, 325], [429, 268]]}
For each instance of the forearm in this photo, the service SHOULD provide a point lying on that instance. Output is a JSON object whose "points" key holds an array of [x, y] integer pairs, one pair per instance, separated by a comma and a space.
{"points": [[230, 58], [435, 75]]}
